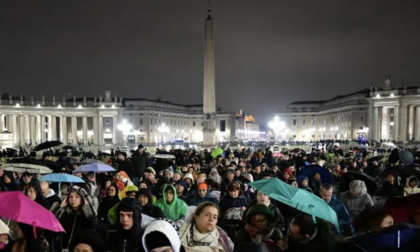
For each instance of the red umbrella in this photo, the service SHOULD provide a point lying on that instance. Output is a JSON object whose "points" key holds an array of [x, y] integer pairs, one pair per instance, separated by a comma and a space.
{"points": [[401, 208], [18, 207]]}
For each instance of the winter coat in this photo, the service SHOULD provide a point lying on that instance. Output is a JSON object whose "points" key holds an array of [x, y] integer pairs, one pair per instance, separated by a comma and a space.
{"points": [[140, 163], [150, 209], [356, 205], [176, 209], [408, 190]]}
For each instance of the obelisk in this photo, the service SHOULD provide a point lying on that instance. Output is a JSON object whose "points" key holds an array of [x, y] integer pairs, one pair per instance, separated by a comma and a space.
{"points": [[209, 85]]}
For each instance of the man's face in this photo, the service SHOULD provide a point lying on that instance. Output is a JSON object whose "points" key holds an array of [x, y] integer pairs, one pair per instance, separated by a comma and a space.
{"points": [[201, 178], [390, 178], [304, 182], [126, 220], [169, 194], [27, 179], [121, 157], [295, 233], [229, 175], [179, 188], [202, 193], [162, 249], [176, 177], [150, 176], [326, 195], [143, 199], [257, 169], [140, 150]]}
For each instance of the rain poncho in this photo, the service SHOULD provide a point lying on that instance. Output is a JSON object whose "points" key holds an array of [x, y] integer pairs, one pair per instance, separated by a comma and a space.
{"points": [[176, 209]]}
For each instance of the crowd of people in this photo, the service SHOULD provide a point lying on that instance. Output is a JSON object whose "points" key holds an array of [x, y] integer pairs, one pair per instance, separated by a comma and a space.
{"points": [[194, 201]]}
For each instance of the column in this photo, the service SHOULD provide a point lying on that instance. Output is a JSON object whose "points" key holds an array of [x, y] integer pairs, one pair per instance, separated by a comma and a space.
{"points": [[74, 130], [403, 123], [114, 129], [410, 122], [2, 126], [50, 128], [370, 121], [85, 136], [101, 130], [21, 130], [54, 128], [95, 130], [63, 130], [397, 120], [33, 130], [14, 129], [27, 128], [417, 124], [375, 128], [385, 123]]}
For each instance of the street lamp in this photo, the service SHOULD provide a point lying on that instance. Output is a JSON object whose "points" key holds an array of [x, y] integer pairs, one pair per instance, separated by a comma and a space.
{"points": [[276, 125], [124, 127]]}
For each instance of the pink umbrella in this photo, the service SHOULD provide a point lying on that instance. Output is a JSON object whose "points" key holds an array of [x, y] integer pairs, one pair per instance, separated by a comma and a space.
{"points": [[18, 207]]}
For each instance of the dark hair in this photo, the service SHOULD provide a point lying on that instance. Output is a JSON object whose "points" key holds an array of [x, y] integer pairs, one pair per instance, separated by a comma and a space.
{"points": [[267, 174], [305, 223], [29, 186], [373, 221], [235, 186]]}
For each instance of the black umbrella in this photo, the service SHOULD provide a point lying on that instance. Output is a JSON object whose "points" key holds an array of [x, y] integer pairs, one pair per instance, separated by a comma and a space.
{"points": [[11, 150], [47, 145], [349, 176], [399, 237], [26, 160], [67, 147]]}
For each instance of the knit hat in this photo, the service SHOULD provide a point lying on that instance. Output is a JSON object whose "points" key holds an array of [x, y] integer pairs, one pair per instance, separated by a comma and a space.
{"points": [[140, 146], [91, 238], [259, 209], [406, 157], [203, 186], [151, 170], [183, 183], [156, 239], [189, 176]]}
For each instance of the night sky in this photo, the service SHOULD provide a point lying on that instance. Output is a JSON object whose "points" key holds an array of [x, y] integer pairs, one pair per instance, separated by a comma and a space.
{"points": [[268, 53]]}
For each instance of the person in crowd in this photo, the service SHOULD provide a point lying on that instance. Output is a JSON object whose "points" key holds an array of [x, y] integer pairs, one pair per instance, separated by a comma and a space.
{"points": [[390, 187], [202, 233], [181, 190], [316, 183], [234, 199], [172, 207], [160, 236], [202, 196], [88, 241], [35, 194], [376, 220], [304, 184], [129, 226], [214, 174], [75, 213], [29, 240], [104, 188], [93, 189], [124, 164], [261, 198], [140, 161], [49, 193], [356, 199], [343, 216], [411, 186], [307, 235], [9, 183], [109, 201], [144, 197], [230, 175], [260, 229]]}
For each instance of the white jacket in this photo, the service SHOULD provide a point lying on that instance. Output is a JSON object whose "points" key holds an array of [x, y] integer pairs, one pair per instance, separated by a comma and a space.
{"points": [[408, 190]]}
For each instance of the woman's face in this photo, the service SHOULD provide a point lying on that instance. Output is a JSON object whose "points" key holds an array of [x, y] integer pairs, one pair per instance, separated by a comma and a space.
{"points": [[31, 193], [82, 247], [1, 172], [261, 197], [111, 191], [143, 185], [294, 184], [107, 184], [118, 176], [304, 182], [176, 177], [6, 179], [75, 200], [286, 175], [191, 170], [207, 220], [168, 174], [260, 221], [234, 194], [387, 221]]}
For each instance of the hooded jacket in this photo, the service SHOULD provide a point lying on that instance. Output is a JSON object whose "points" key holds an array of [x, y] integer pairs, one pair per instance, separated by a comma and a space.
{"points": [[408, 190], [128, 240], [174, 210], [165, 228], [214, 174], [150, 209], [106, 204]]}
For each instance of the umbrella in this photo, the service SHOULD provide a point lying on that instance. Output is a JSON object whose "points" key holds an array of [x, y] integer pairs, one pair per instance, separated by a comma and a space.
{"points": [[217, 152], [164, 156], [399, 237], [21, 208], [309, 171], [47, 145], [349, 176], [67, 147], [91, 161], [61, 177], [31, 168], [300, 199], [4, 229], [11, 150], [94, 168]]}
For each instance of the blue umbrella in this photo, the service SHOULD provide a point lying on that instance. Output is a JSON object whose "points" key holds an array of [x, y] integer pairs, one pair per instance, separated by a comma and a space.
{"points": [[309, 171], [94, 167], [61, 177]]}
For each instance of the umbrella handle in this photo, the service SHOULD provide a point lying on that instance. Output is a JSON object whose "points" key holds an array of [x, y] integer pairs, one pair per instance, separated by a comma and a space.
{"points": [[34, 230]]}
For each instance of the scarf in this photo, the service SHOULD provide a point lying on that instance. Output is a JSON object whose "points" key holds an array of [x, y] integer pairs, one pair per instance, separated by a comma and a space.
{"points": [[195, 241]]}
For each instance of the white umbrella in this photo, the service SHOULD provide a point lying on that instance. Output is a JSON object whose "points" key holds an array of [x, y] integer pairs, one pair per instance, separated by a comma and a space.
{"points": [[31, 168], [164, 156], [4, 229]]}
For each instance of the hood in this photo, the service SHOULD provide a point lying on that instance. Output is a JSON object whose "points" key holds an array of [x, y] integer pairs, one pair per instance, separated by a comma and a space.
{"points": [[407, 181], [214, 170], [164, 195], [50, 193], [129, 204], [130, 188], [251, 178], [166, 229], [147, 192]]}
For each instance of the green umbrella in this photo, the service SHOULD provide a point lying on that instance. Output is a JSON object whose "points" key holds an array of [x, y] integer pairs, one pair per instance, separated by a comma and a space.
{"points": [[217, 152], [300, 199]]}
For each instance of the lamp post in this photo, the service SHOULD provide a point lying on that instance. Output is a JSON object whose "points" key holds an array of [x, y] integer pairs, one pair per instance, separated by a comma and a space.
{"points": [[163, 129], [276, 125], [125, 128]]}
